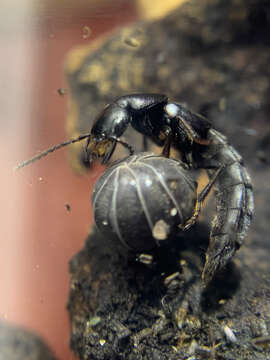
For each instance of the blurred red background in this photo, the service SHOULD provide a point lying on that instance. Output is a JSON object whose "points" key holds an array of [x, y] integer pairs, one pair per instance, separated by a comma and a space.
{"points": [[38, 234]]}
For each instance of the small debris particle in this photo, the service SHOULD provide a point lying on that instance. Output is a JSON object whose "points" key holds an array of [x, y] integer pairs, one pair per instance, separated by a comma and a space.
{"points": [[183, 262], [68, 207], [62, 91], [102, 342], [221, 301], [161, 230], [145, 259], [173, 211], [94, 321], [229, 334], [169, 279], [86, 32], [132, 41], [105, 222], [40, 178]]}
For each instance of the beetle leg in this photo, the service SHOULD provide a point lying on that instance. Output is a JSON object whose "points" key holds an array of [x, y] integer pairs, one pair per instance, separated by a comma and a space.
{"points": [[125, 144], [109, 153], [201, 197], [166, 148], [209, 164], [187, 158], [145, 143], [168, 140]]}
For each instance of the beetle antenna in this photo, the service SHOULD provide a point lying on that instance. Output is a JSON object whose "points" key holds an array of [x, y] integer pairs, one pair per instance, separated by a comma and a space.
{"points": [[52, 149], [123, 143]]}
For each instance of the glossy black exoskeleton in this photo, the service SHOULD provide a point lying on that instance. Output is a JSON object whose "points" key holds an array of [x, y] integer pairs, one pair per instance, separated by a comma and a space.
{"points": [[200, 146], [154, 117], [150, 114]]}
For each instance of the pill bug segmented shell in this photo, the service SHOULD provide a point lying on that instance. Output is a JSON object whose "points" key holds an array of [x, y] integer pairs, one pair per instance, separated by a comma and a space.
{"points": [[136, 193]]}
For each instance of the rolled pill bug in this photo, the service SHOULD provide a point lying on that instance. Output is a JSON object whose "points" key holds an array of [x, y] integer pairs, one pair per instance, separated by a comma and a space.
{"points": [[142, 199]]}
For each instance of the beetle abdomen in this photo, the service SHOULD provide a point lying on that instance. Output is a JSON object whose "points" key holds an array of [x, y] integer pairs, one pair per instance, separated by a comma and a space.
{"points": [[136, 194]]}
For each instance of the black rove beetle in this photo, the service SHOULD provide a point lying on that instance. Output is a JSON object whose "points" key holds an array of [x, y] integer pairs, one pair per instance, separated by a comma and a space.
{"points": [[170, 124]]}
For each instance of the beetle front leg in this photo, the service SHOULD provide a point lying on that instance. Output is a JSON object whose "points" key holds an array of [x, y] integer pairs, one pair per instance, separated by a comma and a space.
{"points": [[123, 143]]}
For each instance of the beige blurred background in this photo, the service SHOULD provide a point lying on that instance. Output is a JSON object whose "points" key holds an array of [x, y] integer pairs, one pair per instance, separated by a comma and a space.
{"points": [[38, 234]]}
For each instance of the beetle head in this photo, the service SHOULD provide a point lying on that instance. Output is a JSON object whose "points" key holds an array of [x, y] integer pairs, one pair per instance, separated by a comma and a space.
{"points": [[109, 126], [111, 123]]}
